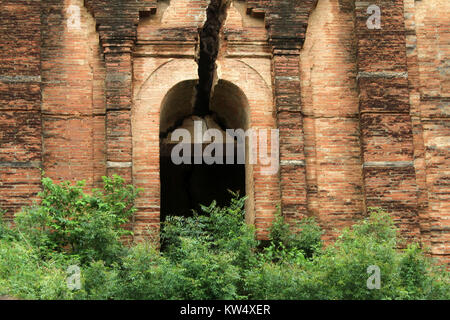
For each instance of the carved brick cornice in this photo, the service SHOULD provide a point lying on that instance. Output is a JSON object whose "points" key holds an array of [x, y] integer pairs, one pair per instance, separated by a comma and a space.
{"points": [[117, 20], [287, 21]]}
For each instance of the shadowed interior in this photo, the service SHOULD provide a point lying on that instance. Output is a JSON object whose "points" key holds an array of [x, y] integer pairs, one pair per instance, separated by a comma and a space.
{"points": [[185, 186]]}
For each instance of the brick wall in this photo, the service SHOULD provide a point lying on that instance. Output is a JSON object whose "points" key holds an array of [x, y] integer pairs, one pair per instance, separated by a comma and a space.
{"points": [[331, 117], [20, 103], [362, 113], [428, 53], [73, 102]]}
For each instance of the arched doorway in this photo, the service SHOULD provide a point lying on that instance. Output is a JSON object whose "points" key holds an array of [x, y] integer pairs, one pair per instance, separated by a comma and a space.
{"points": [[185, 186], [152, 93]]}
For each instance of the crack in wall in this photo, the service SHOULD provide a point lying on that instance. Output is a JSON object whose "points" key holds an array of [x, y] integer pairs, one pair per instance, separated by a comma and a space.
{"points": [[201, 184], [207, 55]]}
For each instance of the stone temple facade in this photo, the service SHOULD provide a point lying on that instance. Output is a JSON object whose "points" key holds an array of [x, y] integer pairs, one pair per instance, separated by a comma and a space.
{"points": [[92, 88]]}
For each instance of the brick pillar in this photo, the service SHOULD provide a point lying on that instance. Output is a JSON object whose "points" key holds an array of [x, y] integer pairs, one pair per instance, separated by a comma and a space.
{"points": [[287, 21], [286, 86], [385, 121], [118, 91], [117, 21], [118, 109]]}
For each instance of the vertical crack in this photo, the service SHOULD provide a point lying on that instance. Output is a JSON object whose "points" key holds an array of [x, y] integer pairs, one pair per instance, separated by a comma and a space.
{"points": [[207, 53], [207, 56]]}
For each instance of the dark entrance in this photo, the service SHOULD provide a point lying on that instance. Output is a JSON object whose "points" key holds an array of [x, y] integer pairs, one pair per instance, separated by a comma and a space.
{"points": [[184, 187]]}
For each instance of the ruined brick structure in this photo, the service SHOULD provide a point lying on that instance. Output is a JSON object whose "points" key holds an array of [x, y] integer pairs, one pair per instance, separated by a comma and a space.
{"points": [[88, 87]]}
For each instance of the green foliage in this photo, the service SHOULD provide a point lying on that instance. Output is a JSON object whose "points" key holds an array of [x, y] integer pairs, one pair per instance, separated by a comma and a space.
{"points": [[305, 239], [5, 231], [340, 270], [205, 274], [213, 248], [211, 255], [218, 229], [145, 274], [85, 225], [343, 265], [419, 278], [23, 274]]}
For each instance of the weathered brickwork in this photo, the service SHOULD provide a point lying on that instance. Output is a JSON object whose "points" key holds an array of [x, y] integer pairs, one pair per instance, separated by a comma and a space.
{"points": [[88, 87], [73, 107], [331, 117], [385, 120], [428, 53], [20, 103]]}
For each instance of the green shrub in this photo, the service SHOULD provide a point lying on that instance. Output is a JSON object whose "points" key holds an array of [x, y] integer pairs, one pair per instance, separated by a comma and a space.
{"points": [[419, 278], [212, 255], [5, 230], [220, 229], [218, 235], [304, 237], [343, 265], [206, 274], [85, 225], [340, 270], [24, 275], [145, 274], [99, 282]]}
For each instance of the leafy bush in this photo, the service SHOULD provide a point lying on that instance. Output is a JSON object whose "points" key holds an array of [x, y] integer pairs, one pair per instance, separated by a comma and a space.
{"points": [[86, 225], [212, 255], [419, 278], [340, 270], [219, 229], [304, 237], [218, 235], [23, 274], [5, 231]]}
